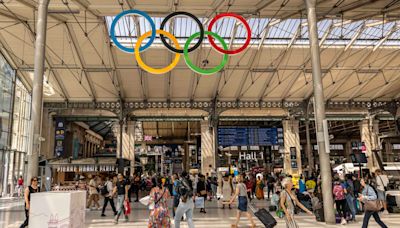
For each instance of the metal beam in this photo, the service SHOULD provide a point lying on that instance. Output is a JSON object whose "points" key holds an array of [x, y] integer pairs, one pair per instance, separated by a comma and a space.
{"points": [[383, 40], [355, 37], [326, 34], [78, 51], [253, 58], [113, 58], [388, 85]]}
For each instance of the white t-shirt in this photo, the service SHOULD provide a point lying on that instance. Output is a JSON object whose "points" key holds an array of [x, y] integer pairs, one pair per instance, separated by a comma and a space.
{"points": [[92, 190], [382, 182]]}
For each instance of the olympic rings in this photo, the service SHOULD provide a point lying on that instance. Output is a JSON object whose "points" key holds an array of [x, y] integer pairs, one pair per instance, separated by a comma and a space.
{"points": [[128, 12], [198, 69], [198, 24], [177, 48], [241, 19], [150, 69]]}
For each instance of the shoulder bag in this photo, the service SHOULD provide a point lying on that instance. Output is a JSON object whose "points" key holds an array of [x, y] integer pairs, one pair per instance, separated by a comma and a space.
{"points": [[373, 205]]}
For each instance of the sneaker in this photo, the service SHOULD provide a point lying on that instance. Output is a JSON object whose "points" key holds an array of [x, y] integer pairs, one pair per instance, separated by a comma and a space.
{"points": [[344, 222], [103, 215]]}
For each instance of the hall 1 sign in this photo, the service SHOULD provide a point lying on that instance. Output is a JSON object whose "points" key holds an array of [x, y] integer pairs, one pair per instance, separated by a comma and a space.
{"points": [[251, 156]]}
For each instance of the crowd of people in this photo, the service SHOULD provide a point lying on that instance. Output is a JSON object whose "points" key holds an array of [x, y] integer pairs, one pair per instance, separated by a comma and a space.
{"points": [[285, 195]]}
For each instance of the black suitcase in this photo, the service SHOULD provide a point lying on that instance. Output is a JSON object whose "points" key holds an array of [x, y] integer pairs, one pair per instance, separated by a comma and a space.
{"points": [[264, 216], [319, 215]]}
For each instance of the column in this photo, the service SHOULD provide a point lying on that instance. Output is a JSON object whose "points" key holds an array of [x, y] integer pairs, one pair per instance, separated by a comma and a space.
{"points": [[291, 138], [309, 150], [319, 113], [207, 147], [348, 150], [369, 129], [128, 143], [37, 88], [388, 151]]}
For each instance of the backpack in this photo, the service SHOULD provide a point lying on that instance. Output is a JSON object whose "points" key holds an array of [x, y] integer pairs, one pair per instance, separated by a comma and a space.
{"points": [[104, 190], [185, 190], [338, 192]]}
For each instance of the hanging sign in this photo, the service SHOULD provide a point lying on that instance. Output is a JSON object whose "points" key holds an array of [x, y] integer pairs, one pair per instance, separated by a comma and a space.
{"points": [[60, 137]]}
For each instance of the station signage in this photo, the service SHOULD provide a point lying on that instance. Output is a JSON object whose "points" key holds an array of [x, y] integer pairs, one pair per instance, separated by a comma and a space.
{"points": [[251, 156]]}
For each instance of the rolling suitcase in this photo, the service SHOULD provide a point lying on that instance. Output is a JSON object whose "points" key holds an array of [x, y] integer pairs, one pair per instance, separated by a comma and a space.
{"points": [[264, 216]]}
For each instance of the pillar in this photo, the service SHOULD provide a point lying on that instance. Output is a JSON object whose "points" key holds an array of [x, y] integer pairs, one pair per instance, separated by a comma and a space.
{"points": [[207, 147], [319, 113], [369, 129], [348, 150], [291, 141], [388, 151], [128, 143], [37, 89], [309, 150]]}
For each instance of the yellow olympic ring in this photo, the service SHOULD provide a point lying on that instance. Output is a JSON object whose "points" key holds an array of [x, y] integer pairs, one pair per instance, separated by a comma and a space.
{"points": [[154, 70]]}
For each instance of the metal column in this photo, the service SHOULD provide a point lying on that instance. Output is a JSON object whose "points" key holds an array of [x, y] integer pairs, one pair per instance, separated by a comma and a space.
{"points": [[120, 158], [37, 94], [319, 106], [309, 152]]}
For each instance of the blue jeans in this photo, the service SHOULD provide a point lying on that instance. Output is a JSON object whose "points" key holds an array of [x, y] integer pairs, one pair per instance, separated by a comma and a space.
{"points": [[350, 203], [120, 207]]}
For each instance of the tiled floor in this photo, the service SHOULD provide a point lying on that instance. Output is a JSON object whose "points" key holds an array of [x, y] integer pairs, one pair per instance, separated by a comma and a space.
{"points": [[12, 215]]}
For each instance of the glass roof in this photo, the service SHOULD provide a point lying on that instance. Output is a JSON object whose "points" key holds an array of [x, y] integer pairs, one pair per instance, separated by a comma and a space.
{"points": [[279, 32]]}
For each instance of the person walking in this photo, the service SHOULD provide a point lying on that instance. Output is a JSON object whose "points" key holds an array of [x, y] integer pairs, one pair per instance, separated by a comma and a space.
{"points": [[368, 194], [382, 182], [175, 192], [202, 191], [349, 187], [121, 189], [33, 188], [241, 193], [159, 215], [227, 190], [93, 194], [260, 188], [340, 200], [106, 191], [135, 187], [186, 204], [20, 186], [288, 201], [270, 185]]}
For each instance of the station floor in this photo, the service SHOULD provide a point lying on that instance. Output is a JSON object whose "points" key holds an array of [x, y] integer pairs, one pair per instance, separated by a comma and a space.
{"points": [[12, 215]]}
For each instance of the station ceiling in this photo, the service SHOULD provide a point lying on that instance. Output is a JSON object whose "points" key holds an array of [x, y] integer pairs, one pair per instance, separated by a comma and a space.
{"points": [[359, 42]]}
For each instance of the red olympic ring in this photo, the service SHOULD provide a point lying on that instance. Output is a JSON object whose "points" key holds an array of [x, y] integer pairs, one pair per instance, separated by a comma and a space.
{"points": [[241, 19]]}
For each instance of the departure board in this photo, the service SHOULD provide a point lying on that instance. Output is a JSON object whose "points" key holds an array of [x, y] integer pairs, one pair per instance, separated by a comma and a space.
{"points": [[247, 136]]}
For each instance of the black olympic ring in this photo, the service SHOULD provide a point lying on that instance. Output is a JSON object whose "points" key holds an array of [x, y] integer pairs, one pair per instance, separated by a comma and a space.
{"points": [[198, 22]]}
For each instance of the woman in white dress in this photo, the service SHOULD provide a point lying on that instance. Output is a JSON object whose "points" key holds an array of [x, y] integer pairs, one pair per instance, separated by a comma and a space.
{"points": [[227, 190]]}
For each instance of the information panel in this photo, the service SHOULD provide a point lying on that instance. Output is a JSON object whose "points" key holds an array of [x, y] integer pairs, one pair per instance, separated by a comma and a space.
{"points": [[247, 136]]}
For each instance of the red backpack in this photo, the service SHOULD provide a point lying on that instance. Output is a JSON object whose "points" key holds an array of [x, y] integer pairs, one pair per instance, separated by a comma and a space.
{"points": [[338, 192]]}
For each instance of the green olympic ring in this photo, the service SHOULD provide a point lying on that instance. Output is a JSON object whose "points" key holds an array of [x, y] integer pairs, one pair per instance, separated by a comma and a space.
{"points": [[197, 69]]}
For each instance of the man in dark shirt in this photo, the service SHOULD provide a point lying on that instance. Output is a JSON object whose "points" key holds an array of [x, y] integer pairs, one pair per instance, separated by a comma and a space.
{"points": [[121, 189]]}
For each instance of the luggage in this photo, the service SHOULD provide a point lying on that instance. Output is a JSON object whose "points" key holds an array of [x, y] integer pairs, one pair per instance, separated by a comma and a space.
{"points": [[272, 208], [264, 216], [319, 215]]}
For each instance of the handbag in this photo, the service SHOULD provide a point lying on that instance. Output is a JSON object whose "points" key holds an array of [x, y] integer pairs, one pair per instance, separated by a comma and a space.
{"points": [[199, 202], [373, 205], [127, 207]]}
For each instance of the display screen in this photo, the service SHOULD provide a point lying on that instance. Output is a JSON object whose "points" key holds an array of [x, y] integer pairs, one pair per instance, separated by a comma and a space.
{"points": [[247, 136]]}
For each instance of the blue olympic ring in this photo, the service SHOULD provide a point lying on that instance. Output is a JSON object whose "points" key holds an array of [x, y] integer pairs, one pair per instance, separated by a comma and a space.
{"points": [[127, 12]]}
